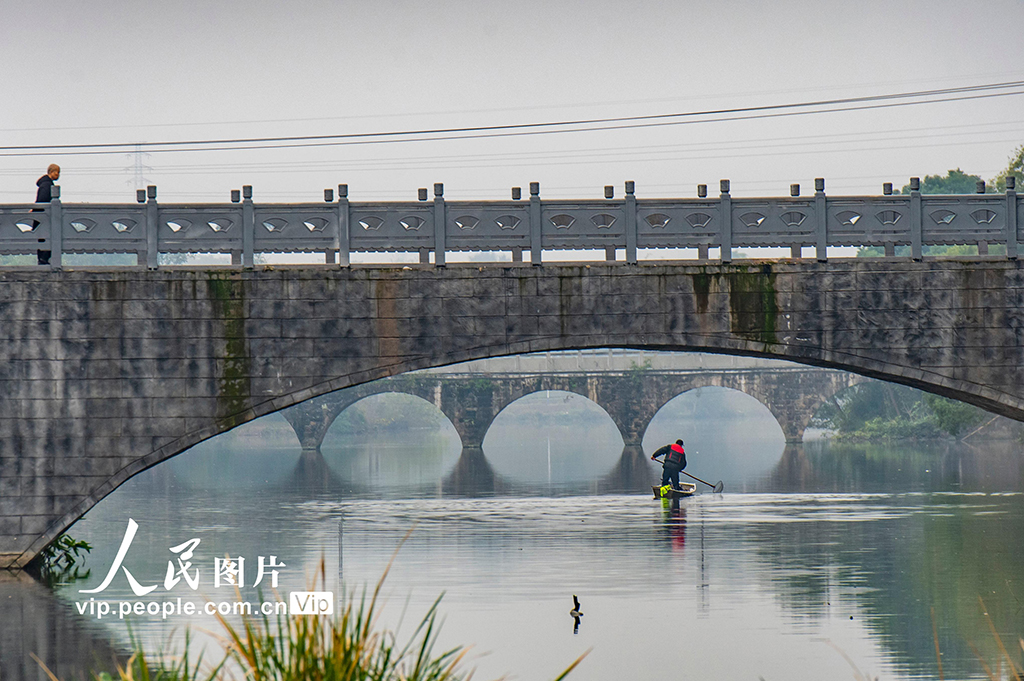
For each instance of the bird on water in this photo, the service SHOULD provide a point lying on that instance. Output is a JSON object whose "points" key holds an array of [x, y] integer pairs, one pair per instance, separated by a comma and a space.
{"points": [[576, 614]]}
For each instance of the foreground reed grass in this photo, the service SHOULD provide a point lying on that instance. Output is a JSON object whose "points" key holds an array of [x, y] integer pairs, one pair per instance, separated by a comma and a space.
{"points": [[350, 646]]}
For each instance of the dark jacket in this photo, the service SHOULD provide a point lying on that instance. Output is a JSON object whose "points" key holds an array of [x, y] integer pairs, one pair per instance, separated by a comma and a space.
{"points": [[43, 194], [672, 458]]}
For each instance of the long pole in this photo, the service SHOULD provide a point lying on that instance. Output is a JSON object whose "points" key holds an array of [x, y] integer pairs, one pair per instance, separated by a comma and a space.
{"points": [[718, 486]]}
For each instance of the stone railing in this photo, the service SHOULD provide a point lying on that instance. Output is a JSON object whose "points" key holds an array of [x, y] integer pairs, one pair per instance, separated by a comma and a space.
{"points": [[339, 227]]}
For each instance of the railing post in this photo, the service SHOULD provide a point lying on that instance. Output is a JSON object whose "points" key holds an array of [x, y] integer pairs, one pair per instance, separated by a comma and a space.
{"points": [[56, 229], [248, 228], [795, 250], [152, 229], [630, 223], [726, 212], [915, 218], [142, 253], [1011, 218], [344, 259], [821, 213], [517, 251], [535, 225], [609, 251], [440, 225], [236, 253], [330, 251]]}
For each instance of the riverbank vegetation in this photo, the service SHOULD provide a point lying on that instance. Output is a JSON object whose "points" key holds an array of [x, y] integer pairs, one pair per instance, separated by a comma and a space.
{"points": [[62, 561], [879, 411]]}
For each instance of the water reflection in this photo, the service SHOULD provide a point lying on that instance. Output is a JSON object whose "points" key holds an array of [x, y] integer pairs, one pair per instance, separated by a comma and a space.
{"points": [[35, 621], [826, 467], [854, 544]]}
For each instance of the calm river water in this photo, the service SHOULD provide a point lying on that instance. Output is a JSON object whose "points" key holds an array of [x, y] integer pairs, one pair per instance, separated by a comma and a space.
{"points": [[820, 561]]}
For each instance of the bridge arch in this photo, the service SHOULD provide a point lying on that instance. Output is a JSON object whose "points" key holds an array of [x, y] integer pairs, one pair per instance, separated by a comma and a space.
{"points": [[369, 459], [128, 368], [585, 453], [704, 417], [793, 406], [425, 409]]}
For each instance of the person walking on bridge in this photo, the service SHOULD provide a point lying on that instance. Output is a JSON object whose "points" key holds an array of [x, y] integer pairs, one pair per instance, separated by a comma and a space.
{"points": [[675, 461], [44, 194]]}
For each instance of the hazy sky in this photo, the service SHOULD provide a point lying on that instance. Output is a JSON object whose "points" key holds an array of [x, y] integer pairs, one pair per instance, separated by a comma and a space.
{"points": [[114, 71]]}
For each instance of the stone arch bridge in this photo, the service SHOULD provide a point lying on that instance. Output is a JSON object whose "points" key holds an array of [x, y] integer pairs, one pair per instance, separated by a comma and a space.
{"points": [[471, 401], [106, 373]]}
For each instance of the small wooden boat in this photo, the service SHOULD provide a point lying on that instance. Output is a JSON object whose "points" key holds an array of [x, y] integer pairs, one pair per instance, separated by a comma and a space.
{"points": [[685, 489]]}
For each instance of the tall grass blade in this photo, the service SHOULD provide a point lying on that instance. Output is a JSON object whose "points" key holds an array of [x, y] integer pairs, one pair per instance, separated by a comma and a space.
{"points": [[935, 635]]}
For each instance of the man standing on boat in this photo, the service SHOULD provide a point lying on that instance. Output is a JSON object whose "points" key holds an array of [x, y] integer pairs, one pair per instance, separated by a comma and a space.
{"points": [[675, 461]]}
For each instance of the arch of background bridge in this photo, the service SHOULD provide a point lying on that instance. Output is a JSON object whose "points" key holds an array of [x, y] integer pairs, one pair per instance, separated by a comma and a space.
{"points": [[793, 398], [163, 360], [471, 405], [632, 400]]}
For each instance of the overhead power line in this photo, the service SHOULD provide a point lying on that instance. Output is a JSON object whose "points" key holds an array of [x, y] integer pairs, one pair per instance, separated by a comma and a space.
{"points": [[1008, 88], [492, 110]]}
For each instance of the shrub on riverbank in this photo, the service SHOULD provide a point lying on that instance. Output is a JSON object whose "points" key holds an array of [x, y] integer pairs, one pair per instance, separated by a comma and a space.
{"points": [[879, 411], [889, 430]]}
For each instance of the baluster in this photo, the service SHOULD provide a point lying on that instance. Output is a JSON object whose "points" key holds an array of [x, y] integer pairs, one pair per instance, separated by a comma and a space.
{"points": [[152, 229], [915, 218], [795, 250], [344, 241], [609, 251], [56, 228], [535, 225], [517, 251], [1011, 218], [248, 228], [440, 225], [630, 222], [821, 215], [236, 253], [725, 211], [330, 250]]}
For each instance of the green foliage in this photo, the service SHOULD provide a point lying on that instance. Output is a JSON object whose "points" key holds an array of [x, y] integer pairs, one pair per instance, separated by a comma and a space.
{"points": [[879, 411], [954, 181], [1014, 168], [888, 430], [851, 409], [162, 667], [18, 259], [60, 561], [952, 251], [175, 258], [951, 416], [100, 259]]}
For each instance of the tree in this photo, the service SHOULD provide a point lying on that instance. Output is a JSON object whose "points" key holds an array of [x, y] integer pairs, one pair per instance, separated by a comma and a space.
{"points": [[952, 416], [954, 181], [1015, 168]]}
